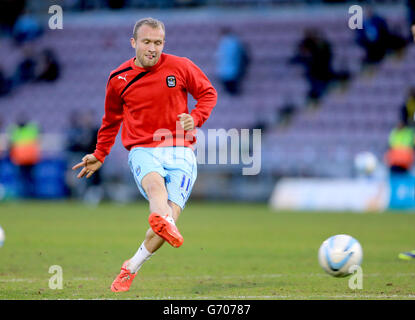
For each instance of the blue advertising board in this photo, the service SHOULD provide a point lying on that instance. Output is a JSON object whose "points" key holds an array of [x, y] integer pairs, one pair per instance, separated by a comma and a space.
{"points": [[402, 191]]}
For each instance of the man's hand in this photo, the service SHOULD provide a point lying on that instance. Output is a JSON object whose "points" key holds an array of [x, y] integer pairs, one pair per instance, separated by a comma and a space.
{"points": [[413, 31], [186, 121], [90, 164]]}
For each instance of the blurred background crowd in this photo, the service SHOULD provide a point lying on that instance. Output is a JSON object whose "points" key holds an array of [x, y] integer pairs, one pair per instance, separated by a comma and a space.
{"points": [[332, 102]]}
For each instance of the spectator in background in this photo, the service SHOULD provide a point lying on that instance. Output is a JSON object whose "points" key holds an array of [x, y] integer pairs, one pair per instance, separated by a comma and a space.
{"points": [[373, 37], [81, 139], [400, 158], [376, 38], [25, 153], [410, 4], [400, 155], [315, 54], [25, 70], [36, 66], [410, 255], [2, 146], [47, 67], [408, 109], [232, 61], [26, 29], [10, 10], [5, 83]]}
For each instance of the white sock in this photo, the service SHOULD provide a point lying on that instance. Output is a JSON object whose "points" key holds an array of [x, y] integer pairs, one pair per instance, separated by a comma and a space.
{"points": [[141, 256], [170, 219]]}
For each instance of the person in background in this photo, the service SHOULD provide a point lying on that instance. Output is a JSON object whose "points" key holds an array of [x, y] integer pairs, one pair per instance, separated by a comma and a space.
{"points": [[36, 66], [376, 38], [410, 255], [25, 70], [3, 144], [10, 10], [25, 153], [314, 53], [5, 83], [47, 66], [410, 5], [82, 139], [26, 29], [232, 61], [400, 155], [408, 109]]}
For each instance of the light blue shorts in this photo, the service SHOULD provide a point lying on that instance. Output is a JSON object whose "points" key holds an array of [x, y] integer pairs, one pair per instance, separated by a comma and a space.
{"points": [[177, 165]]}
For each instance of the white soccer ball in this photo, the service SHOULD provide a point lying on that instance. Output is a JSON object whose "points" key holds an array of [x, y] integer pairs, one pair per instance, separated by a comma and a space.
{"points": [[339, 253], [2, 237], [365, 162]]}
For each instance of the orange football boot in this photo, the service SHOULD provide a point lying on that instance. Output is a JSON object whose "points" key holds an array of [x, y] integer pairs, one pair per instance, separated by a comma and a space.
{"points": [[165, 229], [123, 281]]}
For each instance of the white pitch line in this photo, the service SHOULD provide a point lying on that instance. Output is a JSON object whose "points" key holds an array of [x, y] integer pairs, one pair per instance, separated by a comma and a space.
{"points": [[210, 277], [272, 275], [41, 280], [202, 277], [19, 280]]}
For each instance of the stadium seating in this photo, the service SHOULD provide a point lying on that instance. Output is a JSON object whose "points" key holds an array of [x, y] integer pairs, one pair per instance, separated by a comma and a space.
{"points": [[320, 142]]}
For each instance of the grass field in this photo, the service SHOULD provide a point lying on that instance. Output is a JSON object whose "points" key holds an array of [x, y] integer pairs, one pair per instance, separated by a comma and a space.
{"points": [[231, 251]]}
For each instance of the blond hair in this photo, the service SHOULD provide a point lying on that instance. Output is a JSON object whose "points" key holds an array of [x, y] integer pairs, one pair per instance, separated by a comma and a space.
{"points": [[154, 23]]}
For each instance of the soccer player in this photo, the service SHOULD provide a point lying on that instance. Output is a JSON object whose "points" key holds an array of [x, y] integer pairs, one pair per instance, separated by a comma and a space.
{"points": [[147, 94]]}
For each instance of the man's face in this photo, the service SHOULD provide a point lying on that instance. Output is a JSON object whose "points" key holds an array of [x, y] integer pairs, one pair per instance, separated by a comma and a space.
{"points": [[148, 45]]}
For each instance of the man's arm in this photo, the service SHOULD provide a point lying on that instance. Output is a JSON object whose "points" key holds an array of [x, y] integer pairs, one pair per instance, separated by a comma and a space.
{"points": [[202, 90], [111, 123], [110, 126]]}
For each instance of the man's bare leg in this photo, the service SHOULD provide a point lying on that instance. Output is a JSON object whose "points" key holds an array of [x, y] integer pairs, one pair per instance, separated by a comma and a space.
{"points": [[154, 186]]}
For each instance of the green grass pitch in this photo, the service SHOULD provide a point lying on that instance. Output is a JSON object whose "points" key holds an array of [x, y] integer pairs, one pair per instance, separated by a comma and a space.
{"points": [[231, 251]]}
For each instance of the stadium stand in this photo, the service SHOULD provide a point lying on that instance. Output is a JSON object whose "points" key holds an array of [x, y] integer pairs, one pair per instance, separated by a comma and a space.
{"points": [[319, 142]]}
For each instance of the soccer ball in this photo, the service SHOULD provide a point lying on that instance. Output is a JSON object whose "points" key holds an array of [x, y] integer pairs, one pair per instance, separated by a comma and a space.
{"points": [[2, 237], [339, 253], [365, 163]]}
